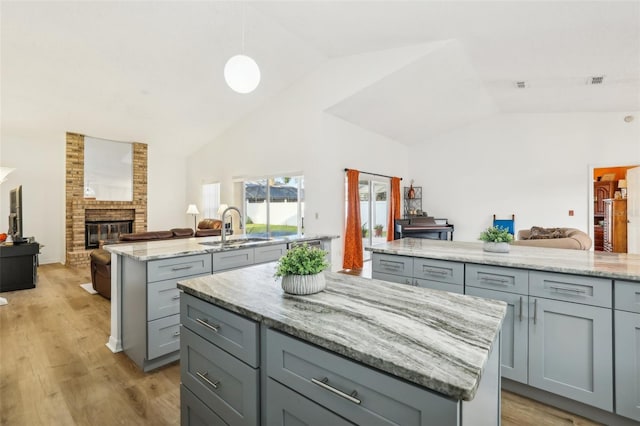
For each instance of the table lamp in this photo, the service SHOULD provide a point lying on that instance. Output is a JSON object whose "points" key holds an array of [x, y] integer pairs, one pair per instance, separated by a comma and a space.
{"points": [[193, 209]]}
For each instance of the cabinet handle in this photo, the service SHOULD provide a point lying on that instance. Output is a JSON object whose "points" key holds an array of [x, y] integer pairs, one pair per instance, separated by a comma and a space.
{"points": [[435, 271], [180, 268], [324, 383], [535, 310], [204, 377], [494, 280], [214, 327], [520, 308], [567, 290]]}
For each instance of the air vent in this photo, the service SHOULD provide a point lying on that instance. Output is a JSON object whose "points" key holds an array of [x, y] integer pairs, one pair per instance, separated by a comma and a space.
{"points": [[599, 79], [521, 84]]}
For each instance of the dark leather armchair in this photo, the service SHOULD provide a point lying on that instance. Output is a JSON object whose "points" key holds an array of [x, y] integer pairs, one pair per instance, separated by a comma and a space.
{"points": [[101, 272]]}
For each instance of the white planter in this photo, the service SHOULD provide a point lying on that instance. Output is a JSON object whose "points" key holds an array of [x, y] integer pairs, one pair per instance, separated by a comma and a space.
{"points": [[496, 247], [303, 284]]}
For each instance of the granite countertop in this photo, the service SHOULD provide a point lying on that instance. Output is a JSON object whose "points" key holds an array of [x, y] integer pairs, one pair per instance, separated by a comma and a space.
{"points": [[162, 249], [582, 262], [432, 338]]}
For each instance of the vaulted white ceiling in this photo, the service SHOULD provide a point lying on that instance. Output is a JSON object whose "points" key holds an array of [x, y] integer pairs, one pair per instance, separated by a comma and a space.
{"points": [[152, 71]]}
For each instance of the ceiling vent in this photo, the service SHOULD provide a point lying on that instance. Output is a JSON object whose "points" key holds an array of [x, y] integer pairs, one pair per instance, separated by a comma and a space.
{"points": [[599, 79], [521, 84]]}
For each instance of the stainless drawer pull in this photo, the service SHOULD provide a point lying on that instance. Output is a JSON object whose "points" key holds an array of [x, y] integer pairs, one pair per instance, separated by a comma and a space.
{"points": [[502, 281], [204, 377], [181, 268], [535, 310], [324, 383], [214, 327], [436, 271], [567, 290], [176, 297], [520, 308]]}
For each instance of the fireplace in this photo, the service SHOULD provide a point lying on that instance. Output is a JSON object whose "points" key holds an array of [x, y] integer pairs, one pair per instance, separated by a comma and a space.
{"points": [[106, 231]]}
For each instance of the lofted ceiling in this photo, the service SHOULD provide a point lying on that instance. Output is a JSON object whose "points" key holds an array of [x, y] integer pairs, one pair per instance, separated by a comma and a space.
{"points": [[152, 71]]}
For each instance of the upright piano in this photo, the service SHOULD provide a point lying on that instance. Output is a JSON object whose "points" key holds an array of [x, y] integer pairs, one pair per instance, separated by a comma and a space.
{"points": [[424, 227]]}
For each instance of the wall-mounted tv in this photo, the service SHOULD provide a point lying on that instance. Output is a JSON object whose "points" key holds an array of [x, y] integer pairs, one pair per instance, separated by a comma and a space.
{"points": [[15, 214]]}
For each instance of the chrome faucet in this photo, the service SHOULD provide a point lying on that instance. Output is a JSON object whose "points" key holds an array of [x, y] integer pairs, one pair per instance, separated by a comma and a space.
{"points": [[224, 228]]}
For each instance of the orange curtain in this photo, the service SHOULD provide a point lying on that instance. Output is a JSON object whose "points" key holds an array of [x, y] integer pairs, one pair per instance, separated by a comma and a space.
{"points": [[352, 233], [394, 207]]}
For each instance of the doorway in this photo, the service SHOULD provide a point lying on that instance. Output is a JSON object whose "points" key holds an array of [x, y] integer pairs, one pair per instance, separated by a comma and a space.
{"points": [[608, 208], [374, 195]]}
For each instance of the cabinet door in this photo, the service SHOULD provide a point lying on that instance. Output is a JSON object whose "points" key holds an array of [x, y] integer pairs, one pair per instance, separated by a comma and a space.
{"points": [[571, 351], [193, 412], [514, 332], [437, 285], [288, 408], [627, 364]]}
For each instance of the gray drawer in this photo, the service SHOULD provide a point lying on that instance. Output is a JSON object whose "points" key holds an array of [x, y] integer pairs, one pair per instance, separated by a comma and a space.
{"points": [[193, 412], [232, 259], [393, 278], [438, 285], [177, 267], [284, 405], [439, 270], [163, 299], [392, 264], [383, 399], [164, 336], [233, 333], [269, 253], [627, 296], [497, 278], [571, 288], [226, 385]]}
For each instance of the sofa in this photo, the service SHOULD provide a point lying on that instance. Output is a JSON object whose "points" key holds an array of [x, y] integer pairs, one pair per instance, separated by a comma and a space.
{"points": [[565, 238], [101, 259]]}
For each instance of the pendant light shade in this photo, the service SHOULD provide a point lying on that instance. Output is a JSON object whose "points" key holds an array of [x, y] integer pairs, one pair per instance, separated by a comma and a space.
{"points": [[242, 74]]}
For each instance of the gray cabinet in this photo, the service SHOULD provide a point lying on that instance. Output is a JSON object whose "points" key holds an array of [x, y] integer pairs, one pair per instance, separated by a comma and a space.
{"points": [[515, 336], [570, 351], [427, 273], [151, 306], [627, 348], [215, 349]]}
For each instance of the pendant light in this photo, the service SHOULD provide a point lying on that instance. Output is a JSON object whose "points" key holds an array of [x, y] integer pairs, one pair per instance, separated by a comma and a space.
{"points": [[241, 72]]}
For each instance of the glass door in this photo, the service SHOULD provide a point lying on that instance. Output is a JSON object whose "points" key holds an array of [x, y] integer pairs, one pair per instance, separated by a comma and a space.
{"points": [[374, 208]]}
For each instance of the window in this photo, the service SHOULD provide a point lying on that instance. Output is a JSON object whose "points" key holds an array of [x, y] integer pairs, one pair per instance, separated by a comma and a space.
{"points": [[274, 205], [210, 200]]}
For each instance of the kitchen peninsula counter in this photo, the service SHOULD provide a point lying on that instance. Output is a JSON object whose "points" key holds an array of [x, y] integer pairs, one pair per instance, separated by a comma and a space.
{"points": [[581, 262]]}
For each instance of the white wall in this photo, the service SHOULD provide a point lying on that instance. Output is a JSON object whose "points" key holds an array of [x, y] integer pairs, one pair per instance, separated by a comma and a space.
{"points": [[292, 134], [535, 166]]}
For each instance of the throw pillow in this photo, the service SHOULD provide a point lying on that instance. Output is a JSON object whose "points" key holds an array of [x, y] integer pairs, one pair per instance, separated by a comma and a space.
{"points": [[539, 233]]}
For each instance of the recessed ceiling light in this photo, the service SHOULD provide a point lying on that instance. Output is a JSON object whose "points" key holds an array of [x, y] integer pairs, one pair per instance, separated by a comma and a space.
{"points": [[521, 84]]}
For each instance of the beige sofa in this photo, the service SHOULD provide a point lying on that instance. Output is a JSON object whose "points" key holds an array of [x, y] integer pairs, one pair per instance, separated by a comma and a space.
{"points": [[572, 238]]}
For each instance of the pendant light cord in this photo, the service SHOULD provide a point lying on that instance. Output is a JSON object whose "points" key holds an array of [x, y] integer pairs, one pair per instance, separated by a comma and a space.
{"points": [[243, 18]]}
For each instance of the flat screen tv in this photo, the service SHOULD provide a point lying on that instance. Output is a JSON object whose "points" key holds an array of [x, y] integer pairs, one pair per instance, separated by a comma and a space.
{"points": [[15, 214]]}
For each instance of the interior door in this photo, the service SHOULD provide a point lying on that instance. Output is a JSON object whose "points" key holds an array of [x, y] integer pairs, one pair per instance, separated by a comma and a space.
{"points": [[633, 210]]}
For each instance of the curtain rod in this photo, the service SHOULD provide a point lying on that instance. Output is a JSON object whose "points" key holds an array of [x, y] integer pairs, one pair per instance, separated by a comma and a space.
{"points": [[369, 173]]}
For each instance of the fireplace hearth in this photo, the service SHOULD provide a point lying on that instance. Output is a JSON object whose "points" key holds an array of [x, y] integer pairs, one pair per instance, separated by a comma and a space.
{"points": [[106, 231]]}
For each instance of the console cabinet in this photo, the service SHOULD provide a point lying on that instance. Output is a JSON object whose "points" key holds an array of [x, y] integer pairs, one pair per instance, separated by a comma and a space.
{"points": [[18, 266]]}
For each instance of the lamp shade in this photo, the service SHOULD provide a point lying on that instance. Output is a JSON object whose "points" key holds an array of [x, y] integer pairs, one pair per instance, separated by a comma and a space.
{"points": [[242, 74], [192, 209], [622, 183]]}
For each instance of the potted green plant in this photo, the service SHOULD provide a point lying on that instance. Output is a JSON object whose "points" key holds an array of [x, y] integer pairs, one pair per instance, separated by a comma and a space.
{"points": [[301, 269], [364, 229], [496, 239], [378, 229]]}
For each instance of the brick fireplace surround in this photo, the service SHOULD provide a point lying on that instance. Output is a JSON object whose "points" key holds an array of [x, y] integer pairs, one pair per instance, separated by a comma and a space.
{"points": [[79, 209]]}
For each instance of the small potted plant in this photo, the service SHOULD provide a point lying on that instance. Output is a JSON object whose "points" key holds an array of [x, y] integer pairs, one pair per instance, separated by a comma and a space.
{"points": [[496, 239], [301, 269], [378, 229]]}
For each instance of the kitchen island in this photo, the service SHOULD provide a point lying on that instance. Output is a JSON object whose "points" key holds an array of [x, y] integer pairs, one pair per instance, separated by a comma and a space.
{"points": [[571, 336], [145, 300], [361, 351]]}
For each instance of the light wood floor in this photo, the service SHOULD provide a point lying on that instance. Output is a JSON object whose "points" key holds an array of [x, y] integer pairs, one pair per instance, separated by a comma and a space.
{"points": [[56, 370]]}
